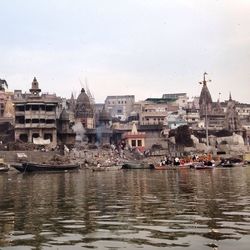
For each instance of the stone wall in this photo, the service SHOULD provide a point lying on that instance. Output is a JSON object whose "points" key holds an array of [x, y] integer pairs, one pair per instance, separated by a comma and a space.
{"points": [[36, 156], [154, 138]]}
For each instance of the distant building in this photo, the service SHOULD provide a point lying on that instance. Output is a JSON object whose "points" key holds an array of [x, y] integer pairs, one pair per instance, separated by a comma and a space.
{"points": [[154, 111], [65, 133], [84, 111], [120, 106], [135, 139], [180, 99], [220, 115], [7, 115], [232, 121], [104, 132], [35, 115], [175, 120], [205, 101]]}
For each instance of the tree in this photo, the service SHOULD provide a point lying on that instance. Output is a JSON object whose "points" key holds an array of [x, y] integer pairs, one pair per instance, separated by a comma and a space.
{"points": [[183, 136]]}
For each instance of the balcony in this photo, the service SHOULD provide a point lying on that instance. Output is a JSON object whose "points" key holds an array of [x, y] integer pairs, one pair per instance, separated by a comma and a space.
{"points": [[19, 113]]}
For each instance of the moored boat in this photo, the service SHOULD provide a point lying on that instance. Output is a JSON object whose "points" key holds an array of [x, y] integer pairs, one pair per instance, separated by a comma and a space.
{"points": [[165, 167], [109, 168], [232, 162], [135, 165], [202, 165], [37, 167], [3, 166]]}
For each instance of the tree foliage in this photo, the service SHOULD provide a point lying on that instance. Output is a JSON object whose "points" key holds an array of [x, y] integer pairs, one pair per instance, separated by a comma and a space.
{"points": [[183, 136]]}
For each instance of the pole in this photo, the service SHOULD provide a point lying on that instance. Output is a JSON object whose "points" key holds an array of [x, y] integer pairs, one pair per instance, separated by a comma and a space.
{"points": [[206, 125]]}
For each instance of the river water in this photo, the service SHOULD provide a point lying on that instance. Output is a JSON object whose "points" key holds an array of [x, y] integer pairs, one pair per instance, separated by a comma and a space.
{"points": [[126, 209]]}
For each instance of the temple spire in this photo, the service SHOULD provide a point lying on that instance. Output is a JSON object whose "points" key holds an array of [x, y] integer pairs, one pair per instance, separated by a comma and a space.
{"points": [[35, 87]]}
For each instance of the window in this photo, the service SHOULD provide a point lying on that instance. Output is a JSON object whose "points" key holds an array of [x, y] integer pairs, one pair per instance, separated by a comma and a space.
{"points": [[35, 120], [133, 142], [23, 137], [35, 135], [139, 143], [19, 108], [48, 136], [35, 107], [49, 108], [20, 119], [50, 121]]}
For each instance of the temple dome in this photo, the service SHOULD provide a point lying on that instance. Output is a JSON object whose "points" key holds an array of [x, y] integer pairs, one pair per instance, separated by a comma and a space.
{"points": [[83, 98], [83, 106]]}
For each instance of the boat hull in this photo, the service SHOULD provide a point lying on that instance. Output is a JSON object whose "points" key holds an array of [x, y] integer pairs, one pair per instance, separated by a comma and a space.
{"points": [[33, 167], [135, 165], [4, 169], [166, 167]]}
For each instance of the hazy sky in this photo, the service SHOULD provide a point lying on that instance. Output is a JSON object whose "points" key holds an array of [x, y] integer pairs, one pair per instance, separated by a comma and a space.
{"points": [[123, 47]]}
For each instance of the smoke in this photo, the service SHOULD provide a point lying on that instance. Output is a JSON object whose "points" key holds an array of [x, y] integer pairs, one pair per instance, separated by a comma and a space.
{"points": [[80, 131]]}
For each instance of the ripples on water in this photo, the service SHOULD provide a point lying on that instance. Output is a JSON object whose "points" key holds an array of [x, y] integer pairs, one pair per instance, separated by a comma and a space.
{"points": [[136, 209]]}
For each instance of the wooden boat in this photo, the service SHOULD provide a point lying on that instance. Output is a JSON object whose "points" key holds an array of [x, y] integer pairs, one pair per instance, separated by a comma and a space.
{"points": [[37, 167], [135, 165], [201, 165], [3, 166], [231, 164], [165, 167], [185, 165], [238, 164]]}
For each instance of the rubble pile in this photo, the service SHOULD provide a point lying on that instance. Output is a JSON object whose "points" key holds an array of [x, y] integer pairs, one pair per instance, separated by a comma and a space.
{"points": [[58, 159], [20, 146], [108, 156], [104, 155]]}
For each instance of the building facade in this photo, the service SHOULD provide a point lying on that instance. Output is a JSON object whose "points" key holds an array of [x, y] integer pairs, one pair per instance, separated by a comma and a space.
{"points": [[155, 112], [36, 115], [180, 99], [84, 111], [120, 106]]}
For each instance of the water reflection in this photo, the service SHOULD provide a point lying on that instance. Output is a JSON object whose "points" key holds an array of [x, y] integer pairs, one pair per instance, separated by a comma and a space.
{"points": [[185, 209]]}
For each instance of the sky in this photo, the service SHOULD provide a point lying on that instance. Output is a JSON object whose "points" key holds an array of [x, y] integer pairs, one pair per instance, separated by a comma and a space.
{"points": [[144, 48]]}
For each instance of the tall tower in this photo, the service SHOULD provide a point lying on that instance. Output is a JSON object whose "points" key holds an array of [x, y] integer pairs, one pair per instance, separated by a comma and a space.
{"points": [[205, 101], [34, 90], [232, 121]]}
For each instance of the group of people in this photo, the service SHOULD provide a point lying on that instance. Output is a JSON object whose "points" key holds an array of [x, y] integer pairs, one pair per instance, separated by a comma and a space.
{"points": [[176, 161], [168, 161]]}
